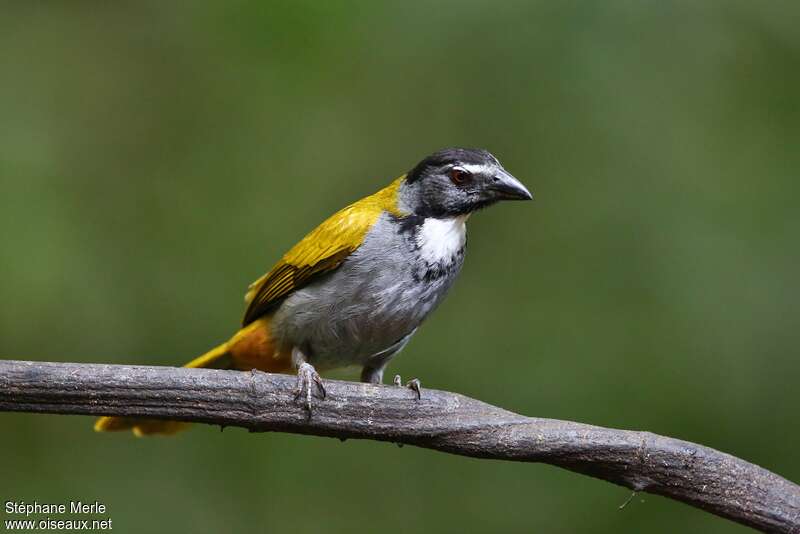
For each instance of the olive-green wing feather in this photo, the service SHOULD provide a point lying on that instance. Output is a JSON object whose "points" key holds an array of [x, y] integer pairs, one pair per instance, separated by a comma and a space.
{"points": [[321, 251]]}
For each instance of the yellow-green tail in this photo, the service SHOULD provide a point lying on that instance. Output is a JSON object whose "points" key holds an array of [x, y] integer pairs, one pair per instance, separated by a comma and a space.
{"points": [[218, 358]]}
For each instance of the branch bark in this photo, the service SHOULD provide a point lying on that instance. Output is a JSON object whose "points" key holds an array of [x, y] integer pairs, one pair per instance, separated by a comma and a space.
{"points": [[644, 462]]}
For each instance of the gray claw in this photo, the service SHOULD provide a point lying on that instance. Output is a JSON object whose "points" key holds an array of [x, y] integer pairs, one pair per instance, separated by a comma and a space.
{"points": [[320, 386], [415, 385]]}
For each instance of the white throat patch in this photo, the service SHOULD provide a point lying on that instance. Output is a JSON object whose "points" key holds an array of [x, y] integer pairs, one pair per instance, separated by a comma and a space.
{"points": [[440, 239]]}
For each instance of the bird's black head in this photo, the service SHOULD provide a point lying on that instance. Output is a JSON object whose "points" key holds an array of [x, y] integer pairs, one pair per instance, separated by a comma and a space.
{"points": [[458, 181]]}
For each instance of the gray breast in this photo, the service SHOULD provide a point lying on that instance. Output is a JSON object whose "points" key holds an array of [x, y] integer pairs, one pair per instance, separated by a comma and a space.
{"points": [[379, 295]]}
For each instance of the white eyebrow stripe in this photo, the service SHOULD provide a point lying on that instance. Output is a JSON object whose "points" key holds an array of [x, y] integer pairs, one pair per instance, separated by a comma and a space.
{"points": [[478, 168]]}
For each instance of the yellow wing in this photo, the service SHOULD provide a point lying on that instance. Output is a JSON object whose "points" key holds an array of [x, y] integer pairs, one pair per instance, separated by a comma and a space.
{"points": [[321, 251]]}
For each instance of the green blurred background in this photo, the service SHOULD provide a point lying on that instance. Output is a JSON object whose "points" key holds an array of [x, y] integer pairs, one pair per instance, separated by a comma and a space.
{"points": [[155, 159]]}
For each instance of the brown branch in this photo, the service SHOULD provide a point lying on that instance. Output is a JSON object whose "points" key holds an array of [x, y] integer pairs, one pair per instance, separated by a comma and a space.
{"points": [[697, 475]]}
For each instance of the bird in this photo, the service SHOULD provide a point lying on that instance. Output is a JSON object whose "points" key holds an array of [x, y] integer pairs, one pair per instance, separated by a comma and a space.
{"points": [[355, 289]]}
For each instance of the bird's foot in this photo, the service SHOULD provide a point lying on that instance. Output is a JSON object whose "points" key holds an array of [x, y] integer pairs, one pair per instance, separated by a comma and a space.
{"points": [[306, 375], [414, 384]]}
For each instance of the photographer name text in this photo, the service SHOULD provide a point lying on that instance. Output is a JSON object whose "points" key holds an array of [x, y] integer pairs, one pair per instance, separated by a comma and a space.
{"points": [[51, 511]]}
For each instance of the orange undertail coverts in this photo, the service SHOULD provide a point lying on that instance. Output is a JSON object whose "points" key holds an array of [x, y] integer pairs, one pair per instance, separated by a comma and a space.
{"points": [[250, 348]]}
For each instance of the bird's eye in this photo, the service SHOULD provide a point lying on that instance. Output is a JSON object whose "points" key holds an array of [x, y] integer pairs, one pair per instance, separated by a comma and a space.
{"points": [[459, 176]]}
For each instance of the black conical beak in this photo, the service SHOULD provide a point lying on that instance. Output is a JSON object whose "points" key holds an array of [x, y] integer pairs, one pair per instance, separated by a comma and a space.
{"points": [[506, 187]]}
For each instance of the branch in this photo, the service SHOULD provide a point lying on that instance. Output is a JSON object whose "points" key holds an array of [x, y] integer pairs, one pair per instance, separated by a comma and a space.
{"points": [[697, 475]]}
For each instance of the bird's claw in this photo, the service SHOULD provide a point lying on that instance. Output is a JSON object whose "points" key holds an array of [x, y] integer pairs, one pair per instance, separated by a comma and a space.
{"points": [[414, 384], [306, 375]]}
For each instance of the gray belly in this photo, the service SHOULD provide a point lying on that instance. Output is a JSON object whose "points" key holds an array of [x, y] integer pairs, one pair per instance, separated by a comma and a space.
{"points": [[378, 296]]}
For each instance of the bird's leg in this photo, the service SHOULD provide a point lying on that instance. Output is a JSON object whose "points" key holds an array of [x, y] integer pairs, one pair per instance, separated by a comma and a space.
{"points": [[306, 374], [414, 384], [372, 375]]}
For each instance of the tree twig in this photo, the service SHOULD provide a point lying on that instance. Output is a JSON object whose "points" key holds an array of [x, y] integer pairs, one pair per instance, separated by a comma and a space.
{"points": [[642, 461]]}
